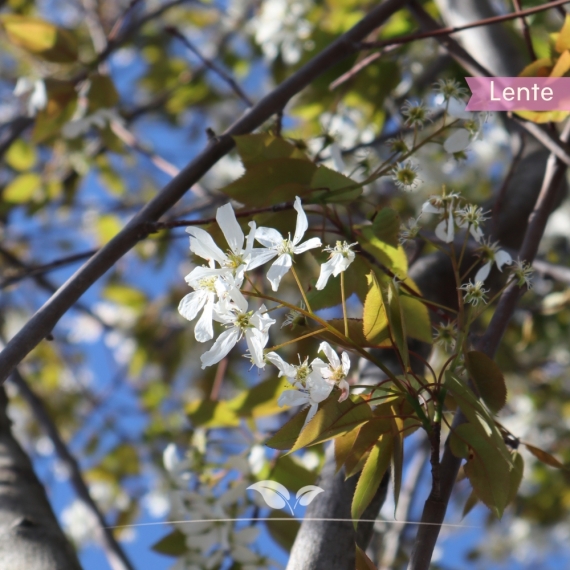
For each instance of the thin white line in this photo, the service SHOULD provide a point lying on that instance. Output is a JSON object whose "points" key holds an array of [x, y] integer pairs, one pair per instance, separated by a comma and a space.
{"points": [[288, 519]]}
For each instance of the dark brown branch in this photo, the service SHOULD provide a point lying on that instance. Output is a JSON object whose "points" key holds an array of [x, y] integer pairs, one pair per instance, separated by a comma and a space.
{"points": [[438, 32], [435, 508], [43, 322], [526, 31], [115, 554]]}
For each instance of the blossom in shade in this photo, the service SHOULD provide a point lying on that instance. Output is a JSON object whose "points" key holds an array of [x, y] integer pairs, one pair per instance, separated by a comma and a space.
{"points": [[405, 175], [471, 217], [474, 292], [341, 256], [493, 255], [275, 245], [522, 270]]}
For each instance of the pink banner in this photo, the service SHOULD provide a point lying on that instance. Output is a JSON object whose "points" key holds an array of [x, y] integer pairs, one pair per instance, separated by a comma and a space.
{"points": [[519, 94]]}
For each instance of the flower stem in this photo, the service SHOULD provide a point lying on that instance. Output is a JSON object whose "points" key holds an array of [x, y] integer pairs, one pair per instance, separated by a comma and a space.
{"points": [[301, 289], [313, 333], [343, 297]]}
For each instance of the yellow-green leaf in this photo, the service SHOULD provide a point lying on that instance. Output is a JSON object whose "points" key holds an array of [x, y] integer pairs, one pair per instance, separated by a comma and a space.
{"points": [[22, 189], [374, 469], [40, 38], [173, 544], [210, 414], [416, 314], [517, 473], [488, 379], [343, 446], [362, 560], [374, 319], [396, 321], [261, 400], [336, 187], [102, 93], [386, 226], [21, 155], [563, 38], [257, 148], [392, 257]]}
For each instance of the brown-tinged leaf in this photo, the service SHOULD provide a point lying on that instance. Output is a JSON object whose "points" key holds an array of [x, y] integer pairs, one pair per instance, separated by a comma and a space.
{"points": [[544, 456], [343, 446], [471, 501], [397, 456], [173, 544], [488, 379], [362, 560], [334, 418]]}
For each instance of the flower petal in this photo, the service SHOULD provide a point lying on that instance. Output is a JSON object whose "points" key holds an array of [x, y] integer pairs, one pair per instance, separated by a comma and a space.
{"points": [[309, 244], [260, 256], [330, 353], [279, 268], [191, 304], [312, 411], [483, 272], [292, 398], [326, 271], [285, 369], [302, 222], [345, 363], [344, 390], [268, 237], [204, 329], [457, 141], [256, 340], [224, 343], [502, 258], [226, 218], [204, 246]]}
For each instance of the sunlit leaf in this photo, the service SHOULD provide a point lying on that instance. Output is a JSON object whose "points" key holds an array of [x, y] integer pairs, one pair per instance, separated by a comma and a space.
{"points": [[374, 319], [396, 321], [210, 413], [544, 456], [288, 434], [256, 148], [21, 155], [386, 226], [336, 187], [563, 38], [23, 188]]}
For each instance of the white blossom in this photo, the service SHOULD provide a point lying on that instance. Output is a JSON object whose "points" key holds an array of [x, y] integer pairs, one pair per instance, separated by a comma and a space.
{"points": [[341, 256], [240, 322], [336, 371], [474, 292], [493, 255], [284, 249]]}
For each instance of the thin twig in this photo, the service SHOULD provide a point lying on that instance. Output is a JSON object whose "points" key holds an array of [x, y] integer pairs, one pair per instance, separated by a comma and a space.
{"points": [[438, 32], [525, 30], [115, 554], [211, 65]]}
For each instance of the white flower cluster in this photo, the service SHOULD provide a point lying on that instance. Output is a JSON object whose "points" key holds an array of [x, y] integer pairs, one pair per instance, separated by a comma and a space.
{"points": [[209, 528], [217, 295]]}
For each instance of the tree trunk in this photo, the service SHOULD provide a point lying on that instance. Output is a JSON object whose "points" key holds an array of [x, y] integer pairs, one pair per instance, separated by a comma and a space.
{"points": [[30, 536]]}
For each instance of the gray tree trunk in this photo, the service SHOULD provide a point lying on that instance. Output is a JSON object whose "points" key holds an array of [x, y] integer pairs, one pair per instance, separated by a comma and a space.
{"points": [[30, 536]]}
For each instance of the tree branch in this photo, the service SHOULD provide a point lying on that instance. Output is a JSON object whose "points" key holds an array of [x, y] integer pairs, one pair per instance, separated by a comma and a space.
{"points": [[435, 509], [46, 318], [115, 554]]}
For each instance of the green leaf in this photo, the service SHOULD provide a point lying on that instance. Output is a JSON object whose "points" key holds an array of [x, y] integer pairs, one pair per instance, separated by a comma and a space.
{"points": [[21, 155], [374, 318], [416, 314], [376, 465], [23, 188], [261, 400], [108, 226], [210, 414], [289, 471], [173, 544], [102, 93], [283, 532], [259, 147], [386, 226], [288, 434], [40, 38], [488, 379], [333, 185], [487, 470], [471, 501], [334, 418], [343, 446], [272, 182], [362, 560], [544, 456], [394, 258], [517, 473], [367, 437], [396, 321], [397, 456], [477, 414]]}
